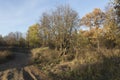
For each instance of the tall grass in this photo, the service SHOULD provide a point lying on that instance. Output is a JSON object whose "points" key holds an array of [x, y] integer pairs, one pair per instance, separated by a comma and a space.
{"points": [[89, 65]]}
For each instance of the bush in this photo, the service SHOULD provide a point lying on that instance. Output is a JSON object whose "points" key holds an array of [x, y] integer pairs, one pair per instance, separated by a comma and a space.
{"points": [[44, 55], [5, 55]]}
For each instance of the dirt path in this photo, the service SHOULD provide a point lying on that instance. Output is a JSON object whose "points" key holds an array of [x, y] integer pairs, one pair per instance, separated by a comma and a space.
{"points": [[20, 68]]}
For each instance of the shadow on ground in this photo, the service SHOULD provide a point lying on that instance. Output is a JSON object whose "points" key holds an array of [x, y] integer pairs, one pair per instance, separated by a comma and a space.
{"points": [[20, 60]]}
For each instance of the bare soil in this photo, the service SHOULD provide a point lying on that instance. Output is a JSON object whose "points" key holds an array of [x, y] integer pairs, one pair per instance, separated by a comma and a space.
{"points": [[20, 68]]}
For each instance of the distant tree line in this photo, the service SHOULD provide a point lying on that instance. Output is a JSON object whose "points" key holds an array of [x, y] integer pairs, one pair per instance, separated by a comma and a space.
{"points": [[13, 39]]}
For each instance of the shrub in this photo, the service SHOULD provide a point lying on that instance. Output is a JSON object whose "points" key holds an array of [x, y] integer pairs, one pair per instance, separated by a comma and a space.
{"points": [[106, 67], [44, 55], [5, 55]]}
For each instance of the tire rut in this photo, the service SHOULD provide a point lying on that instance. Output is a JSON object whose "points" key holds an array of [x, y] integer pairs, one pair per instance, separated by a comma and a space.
{"points": [[27, 73], [19, 69]]}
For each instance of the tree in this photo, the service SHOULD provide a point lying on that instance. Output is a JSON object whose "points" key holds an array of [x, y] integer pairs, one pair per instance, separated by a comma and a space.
{"points": [[116, 4], [10, 39], [65, 23], [33, 38], [111, 29], [94, 20], [22, 42], [110, 33], [13, 39], [45, 29], [58, 27], [18, 35], [2, 42]]}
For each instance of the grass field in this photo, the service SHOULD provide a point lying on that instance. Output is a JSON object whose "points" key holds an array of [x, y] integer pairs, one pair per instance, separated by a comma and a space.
{"points": [[89, 65]]}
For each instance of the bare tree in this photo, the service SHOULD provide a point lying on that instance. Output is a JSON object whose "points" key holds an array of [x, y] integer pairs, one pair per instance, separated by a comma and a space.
{"points": [[59, 25]]}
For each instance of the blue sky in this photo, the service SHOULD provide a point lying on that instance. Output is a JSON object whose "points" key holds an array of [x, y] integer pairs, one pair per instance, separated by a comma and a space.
{"points": [[18, 15]]}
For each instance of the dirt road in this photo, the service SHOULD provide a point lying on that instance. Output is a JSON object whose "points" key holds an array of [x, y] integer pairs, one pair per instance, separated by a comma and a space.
{"points": [[20, 68]]}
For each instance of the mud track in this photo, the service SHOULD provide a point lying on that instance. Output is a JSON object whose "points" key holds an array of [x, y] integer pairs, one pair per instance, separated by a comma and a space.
{"points": [[20, 68]]}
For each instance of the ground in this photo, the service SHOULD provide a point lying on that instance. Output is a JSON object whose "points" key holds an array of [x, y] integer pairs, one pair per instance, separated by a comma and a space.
{"points": [[20, 68]]}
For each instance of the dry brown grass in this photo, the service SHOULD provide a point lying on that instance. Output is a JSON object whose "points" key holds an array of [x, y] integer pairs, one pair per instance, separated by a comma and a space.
{"points": [[88, 63], [44, 54]]}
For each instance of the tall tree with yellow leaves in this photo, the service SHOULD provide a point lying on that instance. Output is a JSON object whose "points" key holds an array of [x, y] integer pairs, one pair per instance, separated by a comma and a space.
{"points": [[33, 38], [94, 20]]}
